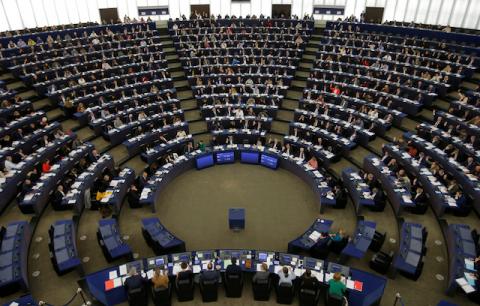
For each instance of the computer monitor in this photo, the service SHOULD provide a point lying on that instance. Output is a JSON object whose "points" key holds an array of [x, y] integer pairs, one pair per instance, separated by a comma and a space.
{"points": [[238, 254], [181, 257], [249, 157], [206, 255], [204, 161], [333, 268], [313, 263], [157, 261], [262, 256], [269, 161], [287, 259], [226, 157]]}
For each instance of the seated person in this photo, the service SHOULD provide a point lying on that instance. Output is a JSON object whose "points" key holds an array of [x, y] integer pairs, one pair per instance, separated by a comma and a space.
{"points": [[134, 281], [233, 268], [336, 287], [307, 281], [263, 274], [185, 273], [57, 197], [286, 276], [160, 278], [210, 274], [133, 197]]}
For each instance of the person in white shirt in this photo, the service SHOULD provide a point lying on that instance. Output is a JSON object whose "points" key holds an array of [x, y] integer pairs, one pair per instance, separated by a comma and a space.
{"points": [[239, 113], [286, 276], [181, 133], [117, 122], [9, 164]]}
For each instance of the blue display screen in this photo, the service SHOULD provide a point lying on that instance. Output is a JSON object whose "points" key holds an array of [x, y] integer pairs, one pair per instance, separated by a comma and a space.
{"points": [[159, 261], [204, 161], [225, 157], [249, 157], [269, 161], [262, 256]]}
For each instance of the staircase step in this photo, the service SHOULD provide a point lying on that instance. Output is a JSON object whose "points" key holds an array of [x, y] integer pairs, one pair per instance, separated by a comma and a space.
{"points": [[357, 155], [177, 74], [70, 125], [309, 57], [469, 85], [15, 85], [302, 74], [55, 114], [168, 50], [27, 94], [41, 104], [85, 133], [279, 127], [290, 104], [100, 144], [136, 164], [299, 83], [6, 76], [178, 84], [193, 115], [441, 104], [184, 94], [306, 65], [285, 115], [198, 127], [172, 57], [119, 153], [205, 138], [294, 95], [188, 104], [174, 65]]}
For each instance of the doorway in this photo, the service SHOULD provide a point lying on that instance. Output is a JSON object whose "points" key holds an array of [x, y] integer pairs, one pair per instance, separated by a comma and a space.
{"points": [[374, 14], [281, 10], [109, 15], [202, 9]]}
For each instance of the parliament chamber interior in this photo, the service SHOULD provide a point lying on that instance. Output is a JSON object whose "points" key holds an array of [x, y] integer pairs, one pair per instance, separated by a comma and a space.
{"points": [[240, 152]]}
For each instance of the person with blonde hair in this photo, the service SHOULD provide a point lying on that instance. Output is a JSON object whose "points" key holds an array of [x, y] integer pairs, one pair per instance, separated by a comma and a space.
{"points": [[263, 274], [160, 278]]}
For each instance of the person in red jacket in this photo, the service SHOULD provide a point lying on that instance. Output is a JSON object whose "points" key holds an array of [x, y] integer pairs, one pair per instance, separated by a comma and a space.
{"points": [[46, 166]]}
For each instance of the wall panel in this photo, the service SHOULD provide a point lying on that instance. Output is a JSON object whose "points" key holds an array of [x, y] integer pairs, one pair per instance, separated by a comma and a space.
{"points": [[30, 13]]}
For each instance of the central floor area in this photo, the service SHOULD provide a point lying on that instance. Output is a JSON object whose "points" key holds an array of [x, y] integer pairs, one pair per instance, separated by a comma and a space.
{"points": [[278, 206]]}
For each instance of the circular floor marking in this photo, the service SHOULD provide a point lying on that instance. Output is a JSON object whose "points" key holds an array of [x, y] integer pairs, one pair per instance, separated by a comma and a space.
{"points": [[35, 273], [439, 277], [86, 259], [83, 237], [39, 239], [135, 255], [126, 237], [36, 256], [438, 242], [439, 258], [392, 240]]}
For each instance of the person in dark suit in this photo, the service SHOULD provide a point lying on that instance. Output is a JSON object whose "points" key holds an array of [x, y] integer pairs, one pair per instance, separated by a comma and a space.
{"points": [[233, 268], [142, 180], [307, 281], [133, 283], [26, 187], [378, 199], [57, 197], [460, 199], [210, 274], [133, 197], [185, 273], [340, 196]]}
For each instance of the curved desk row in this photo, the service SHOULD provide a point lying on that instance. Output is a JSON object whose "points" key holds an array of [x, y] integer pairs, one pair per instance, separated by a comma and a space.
{"points": [[412, 248], [159, 238], [267, 157], [461, 255], [108, 236], [118, 189], [9, 187], [357, 188], [38, 197], [468, 181], [14, 257], [106, 286], [152, 155], [63, 247], [79, 193]]}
